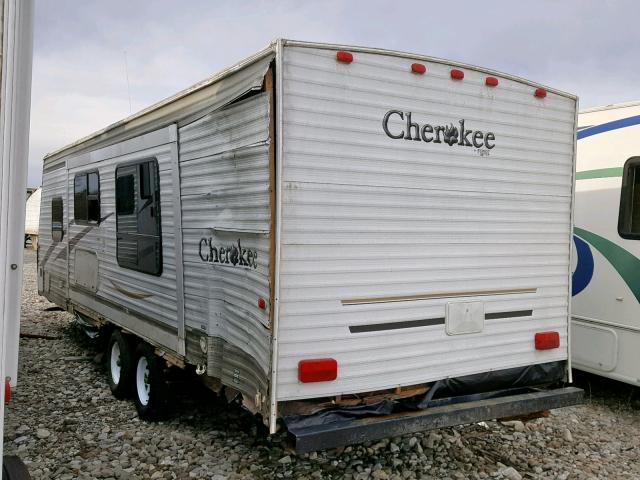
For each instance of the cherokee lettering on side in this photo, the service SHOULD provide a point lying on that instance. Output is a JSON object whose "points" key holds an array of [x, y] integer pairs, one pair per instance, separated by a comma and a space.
{"points": [[234, 254]]}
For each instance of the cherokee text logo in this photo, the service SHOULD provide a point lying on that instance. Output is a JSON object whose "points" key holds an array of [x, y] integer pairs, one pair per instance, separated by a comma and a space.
{"points": [[234, 254], [449, 134]]}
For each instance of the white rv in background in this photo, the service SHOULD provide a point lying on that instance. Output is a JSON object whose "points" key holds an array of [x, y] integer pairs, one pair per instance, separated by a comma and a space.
{"points": [[606, 278], [322, 227], [32, 218]]}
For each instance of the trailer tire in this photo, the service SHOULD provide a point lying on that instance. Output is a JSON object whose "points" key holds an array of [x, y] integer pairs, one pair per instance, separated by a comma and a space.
{"points": [[120, 364], [150, 384], [14, 469]]}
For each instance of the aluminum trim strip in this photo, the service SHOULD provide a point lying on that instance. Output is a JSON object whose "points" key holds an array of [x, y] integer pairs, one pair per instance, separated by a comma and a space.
{"points": [[434, 296], [513, 314], [378, 327]]}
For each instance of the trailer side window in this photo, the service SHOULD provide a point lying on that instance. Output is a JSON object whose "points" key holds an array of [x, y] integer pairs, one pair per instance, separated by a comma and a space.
{"points": [[125, 195], [629, 217], [139, 239], [86, 198], [57, 218]]}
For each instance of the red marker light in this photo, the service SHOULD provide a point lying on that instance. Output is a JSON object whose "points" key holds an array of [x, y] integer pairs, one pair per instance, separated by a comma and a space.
{"points": [[344, 57], [317, 370], [262, 303], [7, 391], [418, 68], [491, 82], [547, 340], [540, 93], [457, 74]]}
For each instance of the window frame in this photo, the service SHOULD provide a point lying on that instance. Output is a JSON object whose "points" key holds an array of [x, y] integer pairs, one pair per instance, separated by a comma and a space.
{"points": [[88, 197], [155, 204], [625, 210]]}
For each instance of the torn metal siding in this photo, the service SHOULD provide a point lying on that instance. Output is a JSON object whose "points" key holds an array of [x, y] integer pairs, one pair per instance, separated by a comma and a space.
{"points": [[182, 108], [366, 216], [224, 171], [147, 296]]}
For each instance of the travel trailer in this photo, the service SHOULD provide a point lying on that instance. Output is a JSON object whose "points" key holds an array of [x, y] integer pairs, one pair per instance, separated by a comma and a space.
{"points": [[606, 278], [328, 233]]}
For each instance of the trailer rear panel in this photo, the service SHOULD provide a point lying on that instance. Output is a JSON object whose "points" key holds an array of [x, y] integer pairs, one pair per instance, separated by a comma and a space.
{"points": [[426, 221]]}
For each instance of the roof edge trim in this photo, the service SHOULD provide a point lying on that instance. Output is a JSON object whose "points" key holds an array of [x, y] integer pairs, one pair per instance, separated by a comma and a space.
{"points": [[425, 58], [136, 117]]}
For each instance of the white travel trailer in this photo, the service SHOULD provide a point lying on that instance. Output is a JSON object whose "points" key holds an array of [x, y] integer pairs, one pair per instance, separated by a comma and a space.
{"points": [[606, 278], [329, 232], [32, 217]]}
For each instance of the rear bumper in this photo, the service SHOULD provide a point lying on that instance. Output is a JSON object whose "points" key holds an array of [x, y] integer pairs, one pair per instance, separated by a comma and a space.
{"points": [[449, 412]]}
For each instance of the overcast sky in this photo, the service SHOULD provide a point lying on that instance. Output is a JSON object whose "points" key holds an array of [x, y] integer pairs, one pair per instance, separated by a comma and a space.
{"points": [[590, 48]]}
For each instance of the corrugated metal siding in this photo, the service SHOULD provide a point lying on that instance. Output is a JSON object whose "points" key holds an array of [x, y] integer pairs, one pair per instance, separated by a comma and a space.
{"points": [[224, 174], [160, 291], [226, 178], [53, 255], [367, 216]]}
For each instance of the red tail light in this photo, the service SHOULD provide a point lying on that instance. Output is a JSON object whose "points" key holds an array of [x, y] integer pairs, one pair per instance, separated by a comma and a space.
{"points": [[547, 340], [418, 68], [7, 391], [491, 82], [457, 74], [344, 57], [540, 93], [317, 370]]}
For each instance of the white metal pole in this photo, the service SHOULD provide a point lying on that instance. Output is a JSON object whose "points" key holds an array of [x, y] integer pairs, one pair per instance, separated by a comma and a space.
{"points": [[15, 102]]}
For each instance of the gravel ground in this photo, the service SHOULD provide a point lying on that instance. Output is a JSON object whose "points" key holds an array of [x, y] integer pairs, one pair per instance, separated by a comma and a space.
{"points": [[65, 424]]}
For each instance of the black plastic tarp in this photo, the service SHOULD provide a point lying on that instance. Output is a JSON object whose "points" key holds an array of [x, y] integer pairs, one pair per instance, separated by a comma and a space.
{"points": [[448, 391]]}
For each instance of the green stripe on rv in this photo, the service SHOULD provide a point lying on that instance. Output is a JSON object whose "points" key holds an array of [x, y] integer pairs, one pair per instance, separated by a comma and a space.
{"points": [[599, 173], [626, 264]]}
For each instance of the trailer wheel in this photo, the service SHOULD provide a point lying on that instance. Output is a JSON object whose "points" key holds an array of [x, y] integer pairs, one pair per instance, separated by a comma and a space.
{"points": [[14, 469], [120, 366], [150, 384]]}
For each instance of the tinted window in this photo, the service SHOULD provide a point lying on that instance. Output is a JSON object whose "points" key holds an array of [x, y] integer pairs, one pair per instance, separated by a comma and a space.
{"points": [[629, 216], [80, 198], [86, 198], [125, 195], [57, 218], [145, 181], [139, 245]]}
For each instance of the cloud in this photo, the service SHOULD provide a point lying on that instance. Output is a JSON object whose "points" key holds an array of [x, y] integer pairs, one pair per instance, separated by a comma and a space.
{"points": [[80, 85]]}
